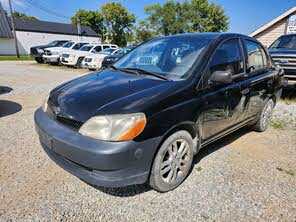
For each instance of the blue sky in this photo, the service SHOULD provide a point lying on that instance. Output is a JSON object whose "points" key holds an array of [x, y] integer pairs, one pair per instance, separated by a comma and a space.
{"points": [[245, 15]]}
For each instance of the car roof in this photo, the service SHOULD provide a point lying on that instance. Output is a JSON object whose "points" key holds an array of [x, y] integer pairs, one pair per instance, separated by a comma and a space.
{"points": [[209, 34], [214, 35], [292, 34]]}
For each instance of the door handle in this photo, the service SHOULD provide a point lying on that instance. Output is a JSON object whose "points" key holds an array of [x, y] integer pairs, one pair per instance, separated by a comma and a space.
{"points": [[245, 91]]}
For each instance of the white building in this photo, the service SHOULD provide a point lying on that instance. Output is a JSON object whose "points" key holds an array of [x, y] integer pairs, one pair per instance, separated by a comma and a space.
{"points": [[32, 33]]}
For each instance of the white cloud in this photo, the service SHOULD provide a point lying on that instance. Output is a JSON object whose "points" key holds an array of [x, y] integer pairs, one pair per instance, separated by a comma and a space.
{"points": [[13, 2]]}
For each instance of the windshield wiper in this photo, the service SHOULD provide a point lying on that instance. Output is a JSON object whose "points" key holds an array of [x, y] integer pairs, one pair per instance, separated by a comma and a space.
{"points": [[129, 71], [142, 71], [113, 67]]}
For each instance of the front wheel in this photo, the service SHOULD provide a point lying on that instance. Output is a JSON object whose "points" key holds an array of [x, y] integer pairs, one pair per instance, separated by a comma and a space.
{"points": [[265, 117], [39, 60], [172, 162], [79, 63]]}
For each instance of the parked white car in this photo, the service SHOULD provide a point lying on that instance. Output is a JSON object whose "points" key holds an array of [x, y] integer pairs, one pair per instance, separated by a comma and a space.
{"points": [[75, 57], [94, 61], [52, 55]]}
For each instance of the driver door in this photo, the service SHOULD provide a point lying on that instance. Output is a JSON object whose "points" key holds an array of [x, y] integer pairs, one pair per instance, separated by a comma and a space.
{"points": [[223, 103]]}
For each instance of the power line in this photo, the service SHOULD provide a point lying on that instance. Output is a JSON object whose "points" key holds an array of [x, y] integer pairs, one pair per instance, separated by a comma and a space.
{"points": [[49, 11]]}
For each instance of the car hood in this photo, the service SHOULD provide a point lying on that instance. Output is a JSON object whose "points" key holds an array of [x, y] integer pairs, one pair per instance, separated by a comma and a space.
{"points": [[119, 55], [108, 92], [97, 56], [40, 47], [79, 53], [59, 49], [282, 51]]}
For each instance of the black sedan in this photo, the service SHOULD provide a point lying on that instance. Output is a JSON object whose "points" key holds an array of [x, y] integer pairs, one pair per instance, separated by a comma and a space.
{"points": [[145, 117], [108, 60]]}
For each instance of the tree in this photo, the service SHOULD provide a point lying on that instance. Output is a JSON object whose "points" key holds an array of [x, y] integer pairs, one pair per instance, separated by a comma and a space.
{"points": [[93, 19], [144, 33], [187, 16], [21, 15], [119, 22]]}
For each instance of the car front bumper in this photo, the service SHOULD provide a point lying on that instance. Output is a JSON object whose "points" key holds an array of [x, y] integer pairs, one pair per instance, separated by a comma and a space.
{"points": [[100, 163], [91, 65], [51, 58], [70, 61]]}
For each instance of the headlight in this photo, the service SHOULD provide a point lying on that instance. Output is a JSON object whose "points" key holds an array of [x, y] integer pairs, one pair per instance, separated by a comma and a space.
{"points": [[114, 127], [44, 104], [40, 51]]}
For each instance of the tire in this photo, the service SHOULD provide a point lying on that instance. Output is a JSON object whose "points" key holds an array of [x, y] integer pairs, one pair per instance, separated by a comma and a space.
{"points": [[265, 117], [172, 162], [39, 60], [79, 63]]}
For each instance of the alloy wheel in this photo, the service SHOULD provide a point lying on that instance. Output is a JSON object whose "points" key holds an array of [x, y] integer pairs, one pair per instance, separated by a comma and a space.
{"points": [[267, 114], [176, 161]]}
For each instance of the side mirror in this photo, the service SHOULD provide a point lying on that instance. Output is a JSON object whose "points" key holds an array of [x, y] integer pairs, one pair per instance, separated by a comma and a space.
{"points": [[221, 77]]}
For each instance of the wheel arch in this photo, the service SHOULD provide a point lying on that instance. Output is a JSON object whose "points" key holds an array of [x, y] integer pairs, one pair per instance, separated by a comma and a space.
{"points": [[190, 127]]}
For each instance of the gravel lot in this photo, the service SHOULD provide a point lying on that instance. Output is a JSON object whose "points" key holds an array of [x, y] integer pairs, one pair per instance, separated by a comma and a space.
{"points": [[246, 176]]}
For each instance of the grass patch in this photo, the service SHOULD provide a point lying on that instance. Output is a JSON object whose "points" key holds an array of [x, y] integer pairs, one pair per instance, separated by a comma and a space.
{"points": [[289, 172], [199, 168], [14, 58], [277, 124]]}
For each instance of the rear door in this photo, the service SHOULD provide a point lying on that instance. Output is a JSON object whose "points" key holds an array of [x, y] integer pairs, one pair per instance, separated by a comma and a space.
{"points": [[223, 104], [259, 78]]}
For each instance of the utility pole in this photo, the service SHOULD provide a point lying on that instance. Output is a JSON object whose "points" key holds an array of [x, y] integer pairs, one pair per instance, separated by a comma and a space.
{"points": [[13, 29], [79, 29]]}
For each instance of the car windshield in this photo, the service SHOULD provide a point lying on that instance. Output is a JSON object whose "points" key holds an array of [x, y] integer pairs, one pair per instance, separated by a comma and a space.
{"points": [[285, 42], [86, 48], [68, 44], [125, 50], [107, 51], [170, 57], [53, 43]]}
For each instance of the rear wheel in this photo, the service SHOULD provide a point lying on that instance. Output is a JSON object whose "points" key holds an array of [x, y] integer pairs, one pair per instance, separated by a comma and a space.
{"points": [[39, 59], [265, 117], [172, 162]]}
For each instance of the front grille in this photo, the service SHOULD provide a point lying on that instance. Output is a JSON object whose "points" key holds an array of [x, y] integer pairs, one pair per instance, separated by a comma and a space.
{"points": [[284, 60], [65, 55], [47, 52], [71, 123], [288, 63], [87, 59], [34, 51]]}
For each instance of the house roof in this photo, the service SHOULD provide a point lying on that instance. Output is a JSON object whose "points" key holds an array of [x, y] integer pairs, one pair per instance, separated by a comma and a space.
{"points": [[274, 21], [5, 31], [51, 27]]}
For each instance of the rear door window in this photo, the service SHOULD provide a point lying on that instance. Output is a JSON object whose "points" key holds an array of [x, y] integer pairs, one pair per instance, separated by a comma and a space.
{"points": [[106, 46], [97, 49], [257, 58]]}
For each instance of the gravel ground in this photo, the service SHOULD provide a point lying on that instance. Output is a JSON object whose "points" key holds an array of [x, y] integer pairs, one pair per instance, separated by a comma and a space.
{"points": [[246, 176]]}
